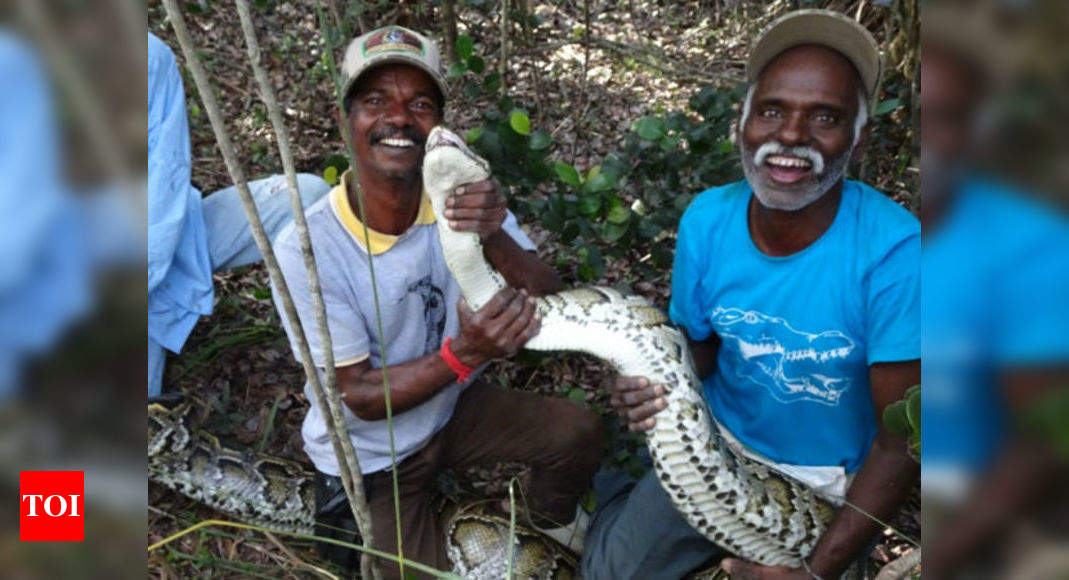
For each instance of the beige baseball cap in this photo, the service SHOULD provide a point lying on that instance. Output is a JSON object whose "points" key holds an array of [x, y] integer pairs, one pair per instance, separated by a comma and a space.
{"points": [[834, 30], [387, 45]]}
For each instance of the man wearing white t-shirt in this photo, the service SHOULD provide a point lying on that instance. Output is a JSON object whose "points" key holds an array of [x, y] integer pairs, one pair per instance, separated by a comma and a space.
{"points": [[431, 343]]}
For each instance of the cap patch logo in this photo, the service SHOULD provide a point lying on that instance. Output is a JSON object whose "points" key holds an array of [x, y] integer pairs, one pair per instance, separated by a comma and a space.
{"points": [[393, 40]]}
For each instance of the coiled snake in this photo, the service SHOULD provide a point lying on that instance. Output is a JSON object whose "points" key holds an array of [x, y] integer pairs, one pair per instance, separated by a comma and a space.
{"points": [[739, 504]]}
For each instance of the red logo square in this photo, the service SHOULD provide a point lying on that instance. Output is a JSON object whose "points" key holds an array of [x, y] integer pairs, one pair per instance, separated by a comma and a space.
{"points": [[51, 506]]}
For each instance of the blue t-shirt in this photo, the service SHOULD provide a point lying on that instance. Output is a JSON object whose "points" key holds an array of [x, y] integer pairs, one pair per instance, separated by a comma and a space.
{"points": [[799, 332], [179, 266], [996, 296]]}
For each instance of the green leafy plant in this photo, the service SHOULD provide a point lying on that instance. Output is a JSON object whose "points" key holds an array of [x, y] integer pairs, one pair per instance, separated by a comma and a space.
{"points": [[1046, 419], [627, 207], [903, 417]]}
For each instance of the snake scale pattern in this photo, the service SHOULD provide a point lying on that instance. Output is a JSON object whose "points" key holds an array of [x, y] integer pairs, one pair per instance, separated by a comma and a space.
{"points": [[279, 495], [738, 503]]}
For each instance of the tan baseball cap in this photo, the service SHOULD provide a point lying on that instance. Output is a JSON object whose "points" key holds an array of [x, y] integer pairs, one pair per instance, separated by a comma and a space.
{"points": [[387, 45], [834, 30]]}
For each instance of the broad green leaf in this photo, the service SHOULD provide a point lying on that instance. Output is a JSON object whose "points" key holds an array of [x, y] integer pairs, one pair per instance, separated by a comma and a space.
{"points": [[477, 64], [492, 83], [330, 175], [612, 232], [894, 418], [464, 47], [520, 122], [913, 413], [600, 182], [589, 205], [589, 501], [473, 134], [567, 173], [618, 215], [886, 107], [650, 128], [540, 140], [592, 172], [457, 70]]}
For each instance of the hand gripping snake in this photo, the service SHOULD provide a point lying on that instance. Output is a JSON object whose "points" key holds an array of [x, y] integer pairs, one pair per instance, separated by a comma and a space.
{"points": [[740, 504]]}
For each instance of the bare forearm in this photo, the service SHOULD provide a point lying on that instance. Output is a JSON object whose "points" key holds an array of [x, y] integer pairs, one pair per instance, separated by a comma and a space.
{"points": [[411, 383], [703, 354], [521, 269], [880, 487]]}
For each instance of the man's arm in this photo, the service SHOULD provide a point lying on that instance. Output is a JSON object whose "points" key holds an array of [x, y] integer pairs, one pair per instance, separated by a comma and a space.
{"points": [[1022, 476], [882, 483], [480, 207], [879, 488], [498, 329]]}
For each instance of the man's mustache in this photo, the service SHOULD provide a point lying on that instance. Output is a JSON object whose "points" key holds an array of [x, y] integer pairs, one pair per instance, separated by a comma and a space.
{"points": [[776, 148], [409, 133]]}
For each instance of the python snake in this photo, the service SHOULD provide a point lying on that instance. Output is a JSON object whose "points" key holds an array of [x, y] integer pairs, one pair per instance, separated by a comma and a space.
{"points": [[740, 504], [279, 495]]}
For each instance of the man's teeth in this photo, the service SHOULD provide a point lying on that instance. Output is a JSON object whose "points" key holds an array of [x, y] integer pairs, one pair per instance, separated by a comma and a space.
{"points": [[783, 161], [398, 142]]}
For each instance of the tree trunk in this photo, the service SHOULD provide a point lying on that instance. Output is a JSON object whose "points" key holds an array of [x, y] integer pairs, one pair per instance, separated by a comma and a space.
{"points": [[449, 28]]}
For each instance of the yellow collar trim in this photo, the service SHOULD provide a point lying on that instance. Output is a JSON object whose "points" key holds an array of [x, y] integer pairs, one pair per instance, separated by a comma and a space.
{"points": [[377, 242]]}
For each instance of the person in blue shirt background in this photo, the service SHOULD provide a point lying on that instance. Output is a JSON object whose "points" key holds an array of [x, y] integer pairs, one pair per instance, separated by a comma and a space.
{"points": [[190, 236], [996, 283], [46, 270], [799, 292]]}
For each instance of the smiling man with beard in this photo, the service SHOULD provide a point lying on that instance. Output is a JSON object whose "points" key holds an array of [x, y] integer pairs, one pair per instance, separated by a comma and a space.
{"points": [[799, 294], [444, 417]]}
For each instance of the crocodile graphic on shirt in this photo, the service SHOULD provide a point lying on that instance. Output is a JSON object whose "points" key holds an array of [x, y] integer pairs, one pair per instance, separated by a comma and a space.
{"points": [[792, 364], [434, 311]]}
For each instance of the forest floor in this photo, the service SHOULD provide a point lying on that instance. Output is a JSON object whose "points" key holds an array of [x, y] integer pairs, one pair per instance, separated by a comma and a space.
{"points": [[644, 58]]}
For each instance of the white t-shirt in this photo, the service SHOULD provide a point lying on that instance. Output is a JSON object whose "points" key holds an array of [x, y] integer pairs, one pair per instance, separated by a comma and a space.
{"points": [[417, 300]]}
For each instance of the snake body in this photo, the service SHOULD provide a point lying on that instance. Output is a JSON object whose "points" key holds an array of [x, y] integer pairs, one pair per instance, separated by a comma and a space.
{"points": [[279, 495], [257, 488], [739, 503]]}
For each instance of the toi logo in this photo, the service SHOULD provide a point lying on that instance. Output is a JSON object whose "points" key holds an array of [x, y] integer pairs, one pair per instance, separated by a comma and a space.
{"points": [[51, 506]]}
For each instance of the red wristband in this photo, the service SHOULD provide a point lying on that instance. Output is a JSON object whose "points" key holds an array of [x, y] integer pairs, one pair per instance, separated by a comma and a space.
{"points": [[462, 370]]}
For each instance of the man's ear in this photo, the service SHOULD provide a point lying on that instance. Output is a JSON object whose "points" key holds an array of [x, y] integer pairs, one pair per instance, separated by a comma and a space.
{"points": [[343, 123], [735, 134]]}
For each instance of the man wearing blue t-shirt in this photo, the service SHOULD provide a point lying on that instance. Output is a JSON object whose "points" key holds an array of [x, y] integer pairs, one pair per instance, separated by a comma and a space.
{"points": [[994, 323], [799, 294]]}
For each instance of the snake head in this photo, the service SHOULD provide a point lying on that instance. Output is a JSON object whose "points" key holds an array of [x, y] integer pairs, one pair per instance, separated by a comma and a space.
{"points": [[442, 137], [448, 163]]}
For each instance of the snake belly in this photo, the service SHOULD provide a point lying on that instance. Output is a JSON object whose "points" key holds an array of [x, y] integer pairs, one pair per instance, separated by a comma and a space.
{"points": [[740, 504]]}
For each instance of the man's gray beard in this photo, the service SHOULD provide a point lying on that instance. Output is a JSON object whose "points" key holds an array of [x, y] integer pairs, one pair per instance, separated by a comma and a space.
{"points": [[773, 198]]}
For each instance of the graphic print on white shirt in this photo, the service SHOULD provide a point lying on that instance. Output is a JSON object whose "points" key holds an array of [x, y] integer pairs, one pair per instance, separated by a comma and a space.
{"points": [[793, 365]]}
